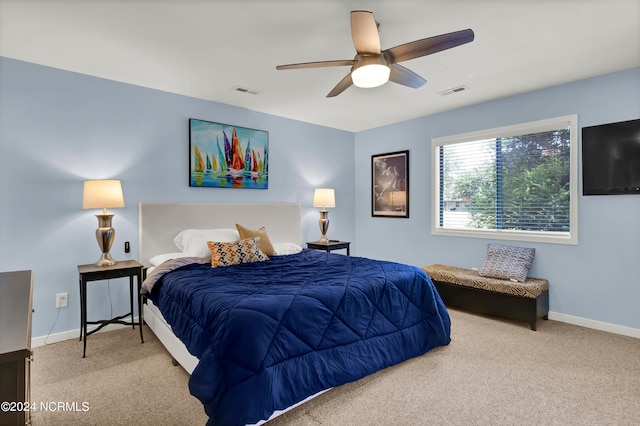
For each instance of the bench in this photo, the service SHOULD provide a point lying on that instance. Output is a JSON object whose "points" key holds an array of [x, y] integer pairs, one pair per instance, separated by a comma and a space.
{"points": [[465, 289]]}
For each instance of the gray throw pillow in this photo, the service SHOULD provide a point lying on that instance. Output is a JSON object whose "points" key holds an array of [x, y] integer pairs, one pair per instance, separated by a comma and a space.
{"points": [[507, 262]]}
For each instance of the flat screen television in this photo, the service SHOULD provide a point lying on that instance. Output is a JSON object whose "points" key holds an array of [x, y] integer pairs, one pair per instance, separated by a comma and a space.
{"points": [[611, 158]]}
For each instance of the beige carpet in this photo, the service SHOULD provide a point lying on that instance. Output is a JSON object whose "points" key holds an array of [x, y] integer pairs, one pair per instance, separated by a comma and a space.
{"points": [[494, 372], [123, 381]]}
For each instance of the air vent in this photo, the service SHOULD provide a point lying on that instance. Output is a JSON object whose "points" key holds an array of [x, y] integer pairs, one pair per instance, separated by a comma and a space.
{"points": [[246, 90], [453, 90]]}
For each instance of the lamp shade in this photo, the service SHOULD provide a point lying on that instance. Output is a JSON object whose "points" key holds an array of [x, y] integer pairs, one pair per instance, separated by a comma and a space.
{"points": [[370, 75], [102, 194], [324, 197], [370, 71]]}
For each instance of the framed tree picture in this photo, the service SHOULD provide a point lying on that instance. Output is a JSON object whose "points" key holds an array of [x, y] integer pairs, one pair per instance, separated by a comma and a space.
{"points": [[226, 156], [390, 184]]}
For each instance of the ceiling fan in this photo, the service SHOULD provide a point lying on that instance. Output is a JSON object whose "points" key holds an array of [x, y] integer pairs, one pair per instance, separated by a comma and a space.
{"points": [[372, 67]]}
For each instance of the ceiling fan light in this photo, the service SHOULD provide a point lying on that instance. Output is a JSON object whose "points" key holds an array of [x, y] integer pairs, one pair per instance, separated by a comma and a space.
{"points": [[372, 75]]}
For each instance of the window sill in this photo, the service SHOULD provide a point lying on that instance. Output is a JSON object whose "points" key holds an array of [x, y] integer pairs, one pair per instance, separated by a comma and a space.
{"points": [[536, 237]]}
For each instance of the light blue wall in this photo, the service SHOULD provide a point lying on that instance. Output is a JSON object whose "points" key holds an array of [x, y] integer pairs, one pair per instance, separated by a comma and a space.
{"points": [[597, 279], [59, 128]]}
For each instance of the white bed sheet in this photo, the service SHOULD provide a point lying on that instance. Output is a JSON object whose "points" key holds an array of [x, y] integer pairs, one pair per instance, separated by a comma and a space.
{"points": [[156, 322]]}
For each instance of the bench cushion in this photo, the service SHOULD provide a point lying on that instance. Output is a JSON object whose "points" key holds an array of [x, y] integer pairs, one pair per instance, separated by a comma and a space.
{"points": [[531, 287]]}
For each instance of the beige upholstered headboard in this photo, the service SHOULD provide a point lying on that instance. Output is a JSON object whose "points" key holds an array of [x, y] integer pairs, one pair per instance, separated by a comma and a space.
{"points": [[161, 222]]}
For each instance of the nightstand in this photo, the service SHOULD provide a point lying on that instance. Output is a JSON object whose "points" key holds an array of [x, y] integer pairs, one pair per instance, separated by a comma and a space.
{"points": [[330, 246], [124, 268]]}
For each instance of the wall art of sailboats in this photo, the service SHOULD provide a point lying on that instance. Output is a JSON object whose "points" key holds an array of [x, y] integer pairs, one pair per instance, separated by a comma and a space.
{"points": [[217, 160]]}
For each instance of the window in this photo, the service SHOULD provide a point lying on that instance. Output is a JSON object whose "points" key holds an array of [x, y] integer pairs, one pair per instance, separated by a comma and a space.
{"points": [[513, 183]]}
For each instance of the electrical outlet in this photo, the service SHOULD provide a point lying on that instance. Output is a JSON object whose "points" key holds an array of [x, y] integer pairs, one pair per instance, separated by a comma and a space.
{"points": [[62, 300]]}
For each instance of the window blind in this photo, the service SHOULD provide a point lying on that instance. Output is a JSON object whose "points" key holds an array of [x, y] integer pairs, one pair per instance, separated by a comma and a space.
{"points": [[512, 182]]}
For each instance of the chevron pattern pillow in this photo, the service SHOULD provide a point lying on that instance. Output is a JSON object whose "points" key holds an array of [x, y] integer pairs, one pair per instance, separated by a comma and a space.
{"points": [[507, 262], [236, 252]]}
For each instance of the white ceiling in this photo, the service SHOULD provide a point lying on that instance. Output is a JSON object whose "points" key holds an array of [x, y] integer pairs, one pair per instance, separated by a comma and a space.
{"points": [[206, 48]]}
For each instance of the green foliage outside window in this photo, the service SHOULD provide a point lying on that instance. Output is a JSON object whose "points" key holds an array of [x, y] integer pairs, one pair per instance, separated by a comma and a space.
{"points": [[514, 183]]}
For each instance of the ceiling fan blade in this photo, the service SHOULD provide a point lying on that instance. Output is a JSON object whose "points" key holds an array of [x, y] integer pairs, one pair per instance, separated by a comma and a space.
{"points": [[427, 46], [344, 84], [405, 76], [364, 32], [320, 64]]}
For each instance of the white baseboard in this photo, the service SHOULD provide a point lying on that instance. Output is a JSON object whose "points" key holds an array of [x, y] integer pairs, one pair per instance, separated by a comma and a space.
{"points": [[73, 334], [596, 325], [555, 316]]}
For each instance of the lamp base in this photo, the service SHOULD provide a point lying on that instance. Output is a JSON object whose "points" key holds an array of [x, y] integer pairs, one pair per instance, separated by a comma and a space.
{"points": [[324, 225], [105, 234], [106, 260]]}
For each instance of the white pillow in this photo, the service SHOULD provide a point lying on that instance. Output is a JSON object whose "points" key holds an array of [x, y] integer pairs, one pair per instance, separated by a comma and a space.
{"points": [[193, 242], [286, 248], [158, 259]]}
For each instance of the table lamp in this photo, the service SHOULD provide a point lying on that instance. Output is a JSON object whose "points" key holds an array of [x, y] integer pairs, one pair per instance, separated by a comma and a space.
{"points": [[103, 194], [324, 197]]}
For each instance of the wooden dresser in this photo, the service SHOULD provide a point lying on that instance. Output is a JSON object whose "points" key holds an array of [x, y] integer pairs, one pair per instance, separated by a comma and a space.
{"points": [[16, 289]]}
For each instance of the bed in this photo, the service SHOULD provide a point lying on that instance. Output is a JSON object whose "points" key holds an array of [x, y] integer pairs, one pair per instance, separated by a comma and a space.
{"points": [[261, 337]]}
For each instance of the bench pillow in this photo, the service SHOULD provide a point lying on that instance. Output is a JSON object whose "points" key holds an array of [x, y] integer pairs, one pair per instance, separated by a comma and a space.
{"points": [[507, 262]]}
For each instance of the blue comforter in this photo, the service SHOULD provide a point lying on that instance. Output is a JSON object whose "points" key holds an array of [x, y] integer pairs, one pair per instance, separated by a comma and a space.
{"points": [[270, 334]]}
